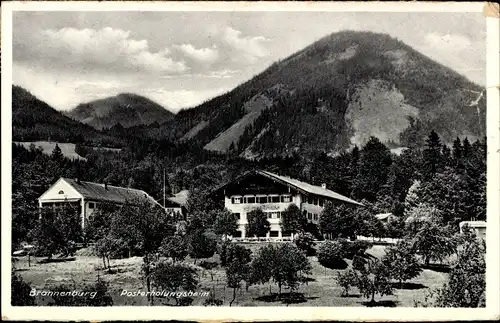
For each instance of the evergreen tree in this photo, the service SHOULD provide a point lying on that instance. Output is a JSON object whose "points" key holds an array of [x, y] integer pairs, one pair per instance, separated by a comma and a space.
{"points": [[373, 169], [433, 158], [57, 154], [457, 153]]}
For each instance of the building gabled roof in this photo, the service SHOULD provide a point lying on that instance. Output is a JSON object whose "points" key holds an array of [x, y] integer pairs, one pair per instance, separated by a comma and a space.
{"points": [[98, 192], [180, 198], [308, 188], [299, 185]]}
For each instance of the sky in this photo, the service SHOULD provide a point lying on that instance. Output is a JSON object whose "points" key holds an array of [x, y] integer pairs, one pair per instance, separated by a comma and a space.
{"points": [[180, 59]]}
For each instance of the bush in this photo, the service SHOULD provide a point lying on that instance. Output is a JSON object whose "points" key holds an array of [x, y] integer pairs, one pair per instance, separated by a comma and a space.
{"points": [[305, 242], [358, 263], [330, 254], [96, 295], [212, 301], [356, 248], [20, 291]]}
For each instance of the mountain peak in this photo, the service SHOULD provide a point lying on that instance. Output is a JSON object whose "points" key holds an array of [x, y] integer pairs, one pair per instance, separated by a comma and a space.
{"points": [[127, 109], [338, 92]]}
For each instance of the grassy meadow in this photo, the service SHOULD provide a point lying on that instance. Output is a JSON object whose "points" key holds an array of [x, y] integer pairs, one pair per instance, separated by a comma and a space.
{"points": [[322, 290]]}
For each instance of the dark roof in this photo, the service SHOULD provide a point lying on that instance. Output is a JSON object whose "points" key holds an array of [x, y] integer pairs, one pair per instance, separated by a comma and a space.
{"points": [[299, 185], [97, 191]]}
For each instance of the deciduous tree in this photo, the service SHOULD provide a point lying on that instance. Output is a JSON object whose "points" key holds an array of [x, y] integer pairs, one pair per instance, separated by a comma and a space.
{"points": [[401, 261], [257, 225]]}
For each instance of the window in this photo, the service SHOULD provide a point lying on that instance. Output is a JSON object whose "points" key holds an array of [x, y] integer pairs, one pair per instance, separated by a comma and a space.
{"points": [[61, 192], [262, 199], [237, 216], [269, 215], [315, 201], [275, 199], [237, 234], [274, 234], [250, 199], [91, 205], [278, 215], [309, 200], [236, 200], [309, 216], [286, 234], [285, 199], [315, 217], [321, 202]]}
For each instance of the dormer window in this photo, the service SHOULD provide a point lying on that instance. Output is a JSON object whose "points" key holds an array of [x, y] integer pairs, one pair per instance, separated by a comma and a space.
{"points": [[61, 192]]}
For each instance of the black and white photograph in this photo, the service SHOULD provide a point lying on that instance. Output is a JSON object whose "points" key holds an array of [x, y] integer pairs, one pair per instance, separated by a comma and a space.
{"points": [[222, 156]]}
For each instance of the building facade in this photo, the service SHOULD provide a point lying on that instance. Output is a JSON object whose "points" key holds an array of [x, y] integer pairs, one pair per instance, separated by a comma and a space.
{"points": [[87, 196], [273, 194], [479, 228]]}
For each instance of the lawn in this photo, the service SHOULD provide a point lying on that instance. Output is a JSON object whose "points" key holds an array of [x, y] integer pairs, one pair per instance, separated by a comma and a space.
{"points": [[322, 290]]}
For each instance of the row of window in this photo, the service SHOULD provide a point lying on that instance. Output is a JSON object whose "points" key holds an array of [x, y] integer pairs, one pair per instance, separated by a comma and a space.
{"points": [[312, 216], [315, 201], [277, 215], [274, 199], [261, 199]]}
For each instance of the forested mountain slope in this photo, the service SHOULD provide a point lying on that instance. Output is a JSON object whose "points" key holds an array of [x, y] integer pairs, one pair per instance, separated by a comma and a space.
{"points": [[35, 120], [126, 109], [332, 95]]}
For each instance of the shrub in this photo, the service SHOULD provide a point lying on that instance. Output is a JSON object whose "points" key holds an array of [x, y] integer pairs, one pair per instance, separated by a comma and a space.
{"points": [[93, 295], [202, 244], [356, 248], [358, 263], [20, 291], [212, 301], [305, 242], [330, 254]]}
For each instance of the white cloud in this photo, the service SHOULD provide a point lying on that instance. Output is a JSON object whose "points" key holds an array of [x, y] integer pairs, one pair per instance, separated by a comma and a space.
{"points": [[204, 55], [179, 99], [64, 91], [248, 48], [456, 41], [108, 47]]}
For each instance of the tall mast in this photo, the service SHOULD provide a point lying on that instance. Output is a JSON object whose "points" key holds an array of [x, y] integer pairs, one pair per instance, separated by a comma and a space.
{"points": [[163, 187]]}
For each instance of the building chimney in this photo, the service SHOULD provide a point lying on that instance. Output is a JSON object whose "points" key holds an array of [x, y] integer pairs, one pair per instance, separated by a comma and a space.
{"points": [[323, 186], [77, 180], [105, 185]]}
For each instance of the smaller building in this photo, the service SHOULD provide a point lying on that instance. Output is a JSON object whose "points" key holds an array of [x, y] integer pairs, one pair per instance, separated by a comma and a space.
{"points": [[383, 217], [87, 196], [176, 204], [478, 226]]}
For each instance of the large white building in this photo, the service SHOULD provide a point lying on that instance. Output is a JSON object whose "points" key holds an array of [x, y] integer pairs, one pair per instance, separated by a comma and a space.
{"points": [[87, 196], [274, 194]]}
